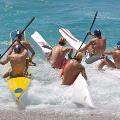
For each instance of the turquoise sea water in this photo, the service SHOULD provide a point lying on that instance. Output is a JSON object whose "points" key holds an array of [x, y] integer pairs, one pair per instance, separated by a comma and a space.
{"points": [[77, 16]]}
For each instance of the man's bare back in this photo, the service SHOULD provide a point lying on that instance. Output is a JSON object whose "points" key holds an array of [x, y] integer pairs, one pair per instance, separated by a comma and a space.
{"points": [[18, 63], [72, 70], [96, 46], [57, 55]]}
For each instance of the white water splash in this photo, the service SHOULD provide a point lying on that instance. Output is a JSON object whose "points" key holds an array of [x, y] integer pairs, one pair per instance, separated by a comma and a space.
{"points": [[45, 90]]}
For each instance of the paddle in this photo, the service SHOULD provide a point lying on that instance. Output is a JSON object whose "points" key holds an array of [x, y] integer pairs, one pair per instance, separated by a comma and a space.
{"points": [[18, 36], [48, 47], [89, 31]]}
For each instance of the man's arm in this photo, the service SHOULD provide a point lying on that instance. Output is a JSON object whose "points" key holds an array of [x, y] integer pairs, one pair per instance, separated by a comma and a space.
{"points": [[28, 46], [86, 46], [10, 51], [90, 33], [5, 61], [108, 52], [24, 53]]}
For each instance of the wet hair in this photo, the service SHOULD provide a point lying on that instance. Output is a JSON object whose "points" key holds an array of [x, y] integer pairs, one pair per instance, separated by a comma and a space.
{"points": [[17, 48], [62, 41], [97, 33]]}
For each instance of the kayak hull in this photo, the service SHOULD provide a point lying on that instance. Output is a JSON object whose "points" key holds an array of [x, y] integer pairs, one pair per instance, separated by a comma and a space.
{"points": [[18, 85]]}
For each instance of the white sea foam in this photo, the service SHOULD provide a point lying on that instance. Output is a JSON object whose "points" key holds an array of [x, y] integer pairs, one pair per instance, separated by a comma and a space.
{"points": [[45, 89]]}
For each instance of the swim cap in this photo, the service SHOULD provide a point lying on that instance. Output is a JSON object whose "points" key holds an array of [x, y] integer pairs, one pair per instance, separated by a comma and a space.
{"points": [[97, 32], [62, 41], [17, 48], [118, 43], [79, 56]]}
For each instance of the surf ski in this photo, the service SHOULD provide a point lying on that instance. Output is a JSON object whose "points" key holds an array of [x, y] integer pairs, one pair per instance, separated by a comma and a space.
{"points": [[80, 93]]}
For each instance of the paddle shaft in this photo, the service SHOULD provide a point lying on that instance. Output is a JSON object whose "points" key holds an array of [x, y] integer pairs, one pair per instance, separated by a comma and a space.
{"points": [[15, 40], [89, 30]]}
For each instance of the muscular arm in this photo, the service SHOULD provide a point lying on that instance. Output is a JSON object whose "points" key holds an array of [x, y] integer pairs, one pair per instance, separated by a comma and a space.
{"points": [[11, 49], [5, 61], [24, 53], [86, 46], [28, 46], [108, 52]]}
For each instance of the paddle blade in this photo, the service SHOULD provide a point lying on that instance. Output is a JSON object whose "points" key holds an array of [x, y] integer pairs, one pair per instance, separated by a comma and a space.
{"points": [[92, 59], [46, 46]]}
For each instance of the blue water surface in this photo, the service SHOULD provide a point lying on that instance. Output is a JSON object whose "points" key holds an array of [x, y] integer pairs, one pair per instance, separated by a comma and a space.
{"points": [[76, 15]]}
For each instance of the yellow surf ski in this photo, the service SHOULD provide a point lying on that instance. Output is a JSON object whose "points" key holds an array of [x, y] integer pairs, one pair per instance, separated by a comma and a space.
{"points": [[18, 86]]}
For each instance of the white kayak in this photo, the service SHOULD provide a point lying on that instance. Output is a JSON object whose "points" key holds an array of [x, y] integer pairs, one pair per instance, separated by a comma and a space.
{"points": [[74, 42], [81, 93], [46, 48]]}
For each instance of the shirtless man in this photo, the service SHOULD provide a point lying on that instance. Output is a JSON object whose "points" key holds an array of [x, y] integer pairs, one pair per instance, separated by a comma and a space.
{"points": [[24, 44], [96, 46], [17, 61], [72, 70], [116, 57], [57, 55]]}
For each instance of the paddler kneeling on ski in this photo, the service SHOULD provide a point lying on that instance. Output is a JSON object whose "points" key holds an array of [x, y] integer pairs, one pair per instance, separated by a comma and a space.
{"points": [[24, 44], [57, 55], [96, 46], [17, 61], [72, 69]]}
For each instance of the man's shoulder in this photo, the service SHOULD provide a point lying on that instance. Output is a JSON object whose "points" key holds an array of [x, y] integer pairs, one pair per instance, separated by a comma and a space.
{"points": [[103, 38], [56, 46], [116, 51], [93, 40], [25, 42]]}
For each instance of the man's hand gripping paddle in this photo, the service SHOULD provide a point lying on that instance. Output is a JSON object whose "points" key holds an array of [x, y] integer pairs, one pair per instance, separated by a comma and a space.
{"points": [[86, 34]]}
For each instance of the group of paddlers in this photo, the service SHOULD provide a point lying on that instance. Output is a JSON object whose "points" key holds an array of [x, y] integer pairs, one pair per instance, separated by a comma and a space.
{"points": [[71, 67]]}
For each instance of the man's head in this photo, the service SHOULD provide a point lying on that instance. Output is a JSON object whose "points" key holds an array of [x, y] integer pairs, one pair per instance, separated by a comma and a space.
{"points": [[97, 33], [18, 49], [18, 35], [79, 57], [118, 44], [62, 41]]}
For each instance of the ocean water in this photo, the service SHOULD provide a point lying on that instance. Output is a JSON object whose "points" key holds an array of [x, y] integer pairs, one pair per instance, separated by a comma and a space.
{"points": [[76, 15]]}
